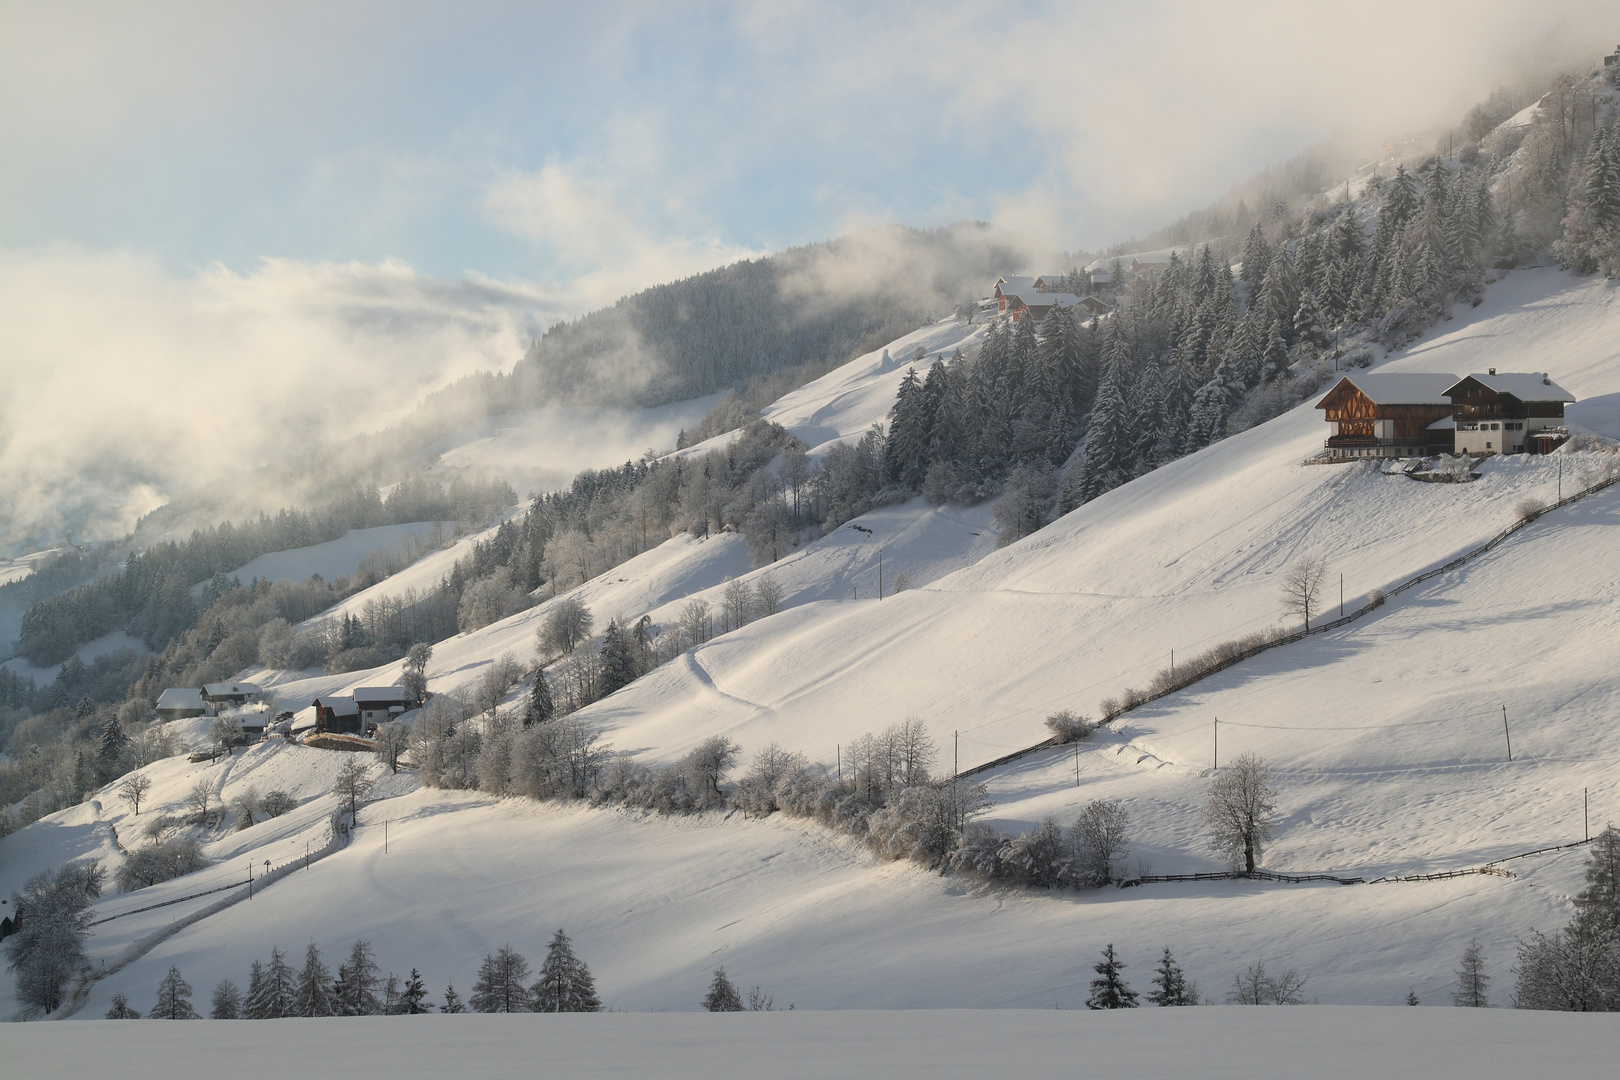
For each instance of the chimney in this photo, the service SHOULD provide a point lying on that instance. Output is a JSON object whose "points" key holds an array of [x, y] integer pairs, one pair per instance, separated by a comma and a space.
{"points": [[1493, 371], [1545, 381]]}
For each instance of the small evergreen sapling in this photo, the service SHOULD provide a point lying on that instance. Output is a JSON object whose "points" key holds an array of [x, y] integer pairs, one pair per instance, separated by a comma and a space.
{"points": [[1170, 985], [1108, 989], [413, 999], [452, 1000], [722, 995]]}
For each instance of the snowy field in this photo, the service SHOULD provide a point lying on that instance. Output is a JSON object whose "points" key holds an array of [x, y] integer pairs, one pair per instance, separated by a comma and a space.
{"points": [[335, 558], [1197, 1044]]}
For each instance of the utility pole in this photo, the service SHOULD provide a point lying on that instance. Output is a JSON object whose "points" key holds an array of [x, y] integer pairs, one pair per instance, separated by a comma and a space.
{"points": [[1560, 479], [1341, 596], [250, 879], [1507, 734], [956, 754], [839, 750], [1586, 813]]}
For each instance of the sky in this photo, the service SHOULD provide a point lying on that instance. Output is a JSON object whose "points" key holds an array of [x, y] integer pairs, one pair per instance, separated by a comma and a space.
{"points": [[225, 201]]}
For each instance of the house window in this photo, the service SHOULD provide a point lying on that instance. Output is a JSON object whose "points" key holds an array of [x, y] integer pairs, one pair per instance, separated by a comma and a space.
{"points": [[1487, 444]]}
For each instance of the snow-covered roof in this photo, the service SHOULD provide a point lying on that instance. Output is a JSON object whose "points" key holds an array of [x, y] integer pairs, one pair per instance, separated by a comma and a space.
{"points": [[304, 720], [1403, 387], [1524, 385], [1445, 423], [1009, 285], [177, 697], [1032, 298], [1144, 258], [379, 695], [230, 689], [339, 706], [1047, 281]]}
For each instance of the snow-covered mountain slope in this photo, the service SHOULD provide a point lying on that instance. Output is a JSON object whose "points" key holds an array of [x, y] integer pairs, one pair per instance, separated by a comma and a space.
{"points": [[843, 403], [1182, 558], [335, 558]]}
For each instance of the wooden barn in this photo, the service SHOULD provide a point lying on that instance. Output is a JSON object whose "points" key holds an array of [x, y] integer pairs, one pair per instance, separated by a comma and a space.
{"points": [[336, 716], [1389, 415], [1517, 412]]}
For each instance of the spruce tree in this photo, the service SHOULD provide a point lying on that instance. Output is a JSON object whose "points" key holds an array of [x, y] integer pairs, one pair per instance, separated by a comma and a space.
{"points": [[1310, 328], [114, 743], [906, 446], [413, 999], [565, 983], [540, 707], [618, 659], [313, 995], [723, 995], [452, 1000], [254, 1001], [1256, 259], [1170, 986], [173, 999], [1108, 990], [1274, 357]]}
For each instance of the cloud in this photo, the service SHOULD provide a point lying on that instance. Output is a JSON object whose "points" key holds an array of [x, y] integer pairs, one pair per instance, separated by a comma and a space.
{"points": [[122, 383], [616, 222]]}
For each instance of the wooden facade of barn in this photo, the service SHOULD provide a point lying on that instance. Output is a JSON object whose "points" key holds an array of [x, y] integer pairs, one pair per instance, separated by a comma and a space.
{"points": [[1389, 415]]}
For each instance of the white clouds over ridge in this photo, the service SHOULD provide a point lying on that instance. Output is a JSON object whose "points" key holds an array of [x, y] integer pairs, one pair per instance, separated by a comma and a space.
{"points": [[121, 383]]}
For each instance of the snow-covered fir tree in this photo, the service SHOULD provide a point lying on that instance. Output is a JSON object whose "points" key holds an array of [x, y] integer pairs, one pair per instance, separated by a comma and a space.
{"points": [[565, 983], [1108, 989]]}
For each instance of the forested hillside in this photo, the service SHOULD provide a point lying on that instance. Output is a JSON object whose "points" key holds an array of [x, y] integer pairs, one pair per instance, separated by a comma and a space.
{"points": [[756, 317]]}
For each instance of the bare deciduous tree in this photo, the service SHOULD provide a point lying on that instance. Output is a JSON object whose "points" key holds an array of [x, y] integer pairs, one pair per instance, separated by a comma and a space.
{"points": [[1257, 987], [392, 739], [696, 624], [567, 624], [767, 595], [736, 605], [1100, 843], [353, 784], [414, 679], [1241, 814], [134, 789], [200, 799], [1302, 587]]}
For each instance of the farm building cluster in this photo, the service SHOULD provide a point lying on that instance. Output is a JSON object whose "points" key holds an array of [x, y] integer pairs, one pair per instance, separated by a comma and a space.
{"points": [[1422, 414], [360, 712]]}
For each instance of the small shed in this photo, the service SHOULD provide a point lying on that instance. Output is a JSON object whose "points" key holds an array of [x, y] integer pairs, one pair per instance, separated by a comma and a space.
{"points": [[336, 715]]}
